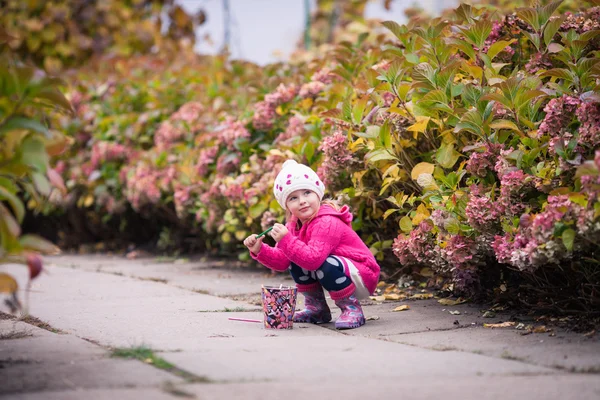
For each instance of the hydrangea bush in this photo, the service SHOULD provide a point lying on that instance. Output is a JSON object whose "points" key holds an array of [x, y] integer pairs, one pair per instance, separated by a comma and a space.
{"points": [[465, 144]]}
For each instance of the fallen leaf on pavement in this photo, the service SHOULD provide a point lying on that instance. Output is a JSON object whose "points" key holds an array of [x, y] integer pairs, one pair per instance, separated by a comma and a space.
{"points": [[401, 308], [373, 318], [377, 298], [489, 314], [394, 296], [541, 329], [506, 324], [456, 312], [450, 302], [421, 296]]}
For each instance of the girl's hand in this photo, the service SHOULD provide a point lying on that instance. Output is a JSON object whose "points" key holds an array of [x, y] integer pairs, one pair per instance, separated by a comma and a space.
{"points": [[253, 244], [278, 232]]}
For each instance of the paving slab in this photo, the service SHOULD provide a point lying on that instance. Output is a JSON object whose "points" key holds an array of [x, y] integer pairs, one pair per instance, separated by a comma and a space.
{"points": [[425, 387], [95, 394], [337, 357], [47, 361], [564, 350], [214, 277], [422, 316]]}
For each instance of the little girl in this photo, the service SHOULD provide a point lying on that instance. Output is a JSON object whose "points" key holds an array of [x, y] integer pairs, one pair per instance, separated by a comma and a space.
{"points": [[320, 249]]}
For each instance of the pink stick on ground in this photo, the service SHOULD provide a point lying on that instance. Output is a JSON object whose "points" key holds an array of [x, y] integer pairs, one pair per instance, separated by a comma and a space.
{"points": [[244, 319]]}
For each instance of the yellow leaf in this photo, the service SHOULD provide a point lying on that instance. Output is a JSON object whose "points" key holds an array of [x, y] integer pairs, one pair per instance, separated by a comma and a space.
{"points": [[421, 168], [506, 324], [421, 296], [420, 126], [377, 298], [394, 296], [426, 272], [401, 308], [450, 302], [89, 200], [8, 284]]}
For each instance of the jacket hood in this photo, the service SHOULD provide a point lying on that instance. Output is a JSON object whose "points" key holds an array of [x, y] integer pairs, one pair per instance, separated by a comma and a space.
{"points": [[344, 213]]}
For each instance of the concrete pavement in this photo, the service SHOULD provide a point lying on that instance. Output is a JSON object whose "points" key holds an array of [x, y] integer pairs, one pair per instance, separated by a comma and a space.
{"points": [[179, 309]]}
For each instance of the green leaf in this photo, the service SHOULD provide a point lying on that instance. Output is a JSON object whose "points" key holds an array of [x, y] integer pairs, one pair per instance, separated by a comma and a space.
{"points": [[504, 124], [530, 16], [56, 98], [389, 212], [546, 12], [24, 123], [551, 28], [385, 135], [371, 133], [497, 47], [568, 238], [33, 153], [359, 109], [41, 183], [446, 155], [397, 29], [257, 210], [14, 202], [38, 244], [379, 154], [406, 224], [534, 38], [561, 73]]}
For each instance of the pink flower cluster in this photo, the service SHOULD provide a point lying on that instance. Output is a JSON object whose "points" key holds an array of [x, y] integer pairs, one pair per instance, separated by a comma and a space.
{"points": [[417, 247], [233, 190], [513, 187], [230, 131], [265, 111], [480, 163], [167, 133], [189, 112], [294, 129], [228, 163], [172, 130], [536, 243], [559, 114], [337, 157], [323, 75], [205, 159], [311, 89], [482, 213], [582, 22], [144, 184], [108, 151], [589, 131], [537, 62]]}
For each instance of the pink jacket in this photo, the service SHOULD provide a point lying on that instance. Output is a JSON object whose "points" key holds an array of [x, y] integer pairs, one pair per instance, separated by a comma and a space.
{"points": [[329, 233]]}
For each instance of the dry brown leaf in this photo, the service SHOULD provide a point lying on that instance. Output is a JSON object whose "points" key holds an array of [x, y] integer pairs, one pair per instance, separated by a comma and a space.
{"points": [[450, 302], [541, 329], [421, 296], [394, 296], [506, 324], [401, 308], [377, 298]]}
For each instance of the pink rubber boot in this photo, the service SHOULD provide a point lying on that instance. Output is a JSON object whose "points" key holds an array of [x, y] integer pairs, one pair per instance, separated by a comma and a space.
{"points": [[352, 313], [316, 310]]}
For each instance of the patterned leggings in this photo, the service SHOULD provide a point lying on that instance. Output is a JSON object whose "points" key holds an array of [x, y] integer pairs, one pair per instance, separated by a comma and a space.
{"points": [[330, 275]]}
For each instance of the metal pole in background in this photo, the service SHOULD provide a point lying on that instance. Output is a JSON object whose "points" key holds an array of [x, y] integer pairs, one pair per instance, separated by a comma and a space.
{"points": [[226, 27], [306, 24]]}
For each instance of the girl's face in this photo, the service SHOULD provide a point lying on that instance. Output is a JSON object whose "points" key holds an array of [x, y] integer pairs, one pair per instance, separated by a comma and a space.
{"points": [[303, 204]]}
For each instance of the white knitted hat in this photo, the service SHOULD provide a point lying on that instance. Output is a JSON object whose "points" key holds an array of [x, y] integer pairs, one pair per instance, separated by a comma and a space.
{"points": [[294, 176]]}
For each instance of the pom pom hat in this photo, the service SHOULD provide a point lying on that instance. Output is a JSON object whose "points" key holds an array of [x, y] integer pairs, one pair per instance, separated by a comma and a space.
{"points": [[294, 176]]}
